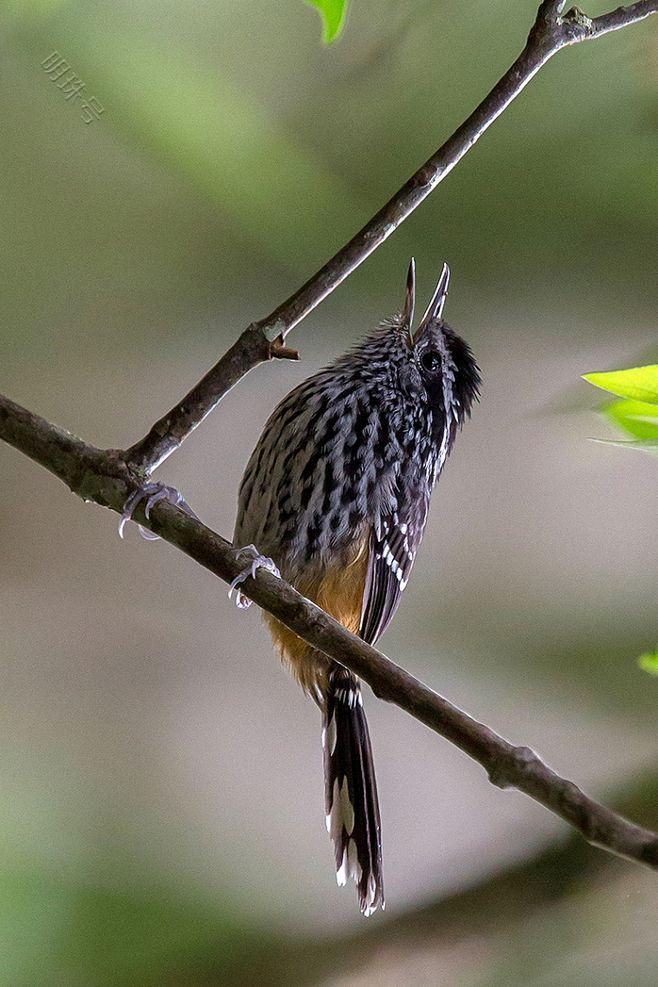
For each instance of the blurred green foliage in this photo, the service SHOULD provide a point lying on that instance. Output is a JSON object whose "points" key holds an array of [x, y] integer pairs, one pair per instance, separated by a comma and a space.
{"points": [[72, 930], [648, 662]]}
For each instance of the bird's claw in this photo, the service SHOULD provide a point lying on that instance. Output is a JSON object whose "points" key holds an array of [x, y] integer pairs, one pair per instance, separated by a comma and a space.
{"points": [[152, 493], [258, 562]]}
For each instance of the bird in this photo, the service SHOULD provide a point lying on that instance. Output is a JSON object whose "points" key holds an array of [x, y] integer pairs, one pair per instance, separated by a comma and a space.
{"points": [[334, 499]]}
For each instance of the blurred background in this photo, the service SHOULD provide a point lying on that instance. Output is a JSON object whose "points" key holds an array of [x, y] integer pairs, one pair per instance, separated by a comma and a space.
{"points": [[162, 817]]}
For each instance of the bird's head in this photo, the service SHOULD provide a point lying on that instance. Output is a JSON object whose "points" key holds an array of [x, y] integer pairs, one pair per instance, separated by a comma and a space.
{"points": [[433, 362], [431, 366]]}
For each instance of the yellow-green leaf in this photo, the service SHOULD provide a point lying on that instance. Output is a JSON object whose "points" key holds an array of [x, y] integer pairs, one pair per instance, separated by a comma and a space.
{"points": [[333, 17], [638, 383], [649, 662], [637, 418]]}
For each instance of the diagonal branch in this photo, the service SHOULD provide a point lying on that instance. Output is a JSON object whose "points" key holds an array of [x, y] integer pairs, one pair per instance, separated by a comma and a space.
{"points": [[264, 340], [103, 477]]}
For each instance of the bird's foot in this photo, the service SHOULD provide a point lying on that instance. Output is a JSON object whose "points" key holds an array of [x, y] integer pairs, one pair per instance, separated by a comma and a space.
{"points": [[258, 562], [152, 493]]}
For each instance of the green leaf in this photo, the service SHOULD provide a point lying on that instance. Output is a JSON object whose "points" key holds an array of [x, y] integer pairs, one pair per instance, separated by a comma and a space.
{"points": [[333, 17], [637, 418], [638, 383], [649, 662]]}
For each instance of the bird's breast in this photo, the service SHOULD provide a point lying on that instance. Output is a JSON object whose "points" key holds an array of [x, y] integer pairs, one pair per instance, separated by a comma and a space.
{"points": [[339, 590]]}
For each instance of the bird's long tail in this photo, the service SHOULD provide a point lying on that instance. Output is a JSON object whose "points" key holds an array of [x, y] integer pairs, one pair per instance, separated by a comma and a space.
{"points": [[351, 799]]}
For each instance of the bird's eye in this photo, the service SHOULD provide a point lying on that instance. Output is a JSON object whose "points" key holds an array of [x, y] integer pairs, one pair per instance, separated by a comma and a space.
{"points": [[431, 361]]}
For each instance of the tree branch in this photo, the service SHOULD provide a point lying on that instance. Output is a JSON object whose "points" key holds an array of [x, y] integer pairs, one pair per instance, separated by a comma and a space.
{"points": [[485, 913], [550, 33], [105, 478], [584, 28]]}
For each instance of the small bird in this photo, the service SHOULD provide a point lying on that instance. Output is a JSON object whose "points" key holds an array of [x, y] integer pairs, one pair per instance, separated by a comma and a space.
{"points": [[336, 495]]}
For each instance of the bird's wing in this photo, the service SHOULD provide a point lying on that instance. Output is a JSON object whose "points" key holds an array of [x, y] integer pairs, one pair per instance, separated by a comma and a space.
{"points": [[393, 546]]}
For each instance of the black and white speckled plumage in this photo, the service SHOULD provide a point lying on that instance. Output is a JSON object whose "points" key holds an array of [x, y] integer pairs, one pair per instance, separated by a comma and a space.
{"points": [[357, 445], [350, 457]]}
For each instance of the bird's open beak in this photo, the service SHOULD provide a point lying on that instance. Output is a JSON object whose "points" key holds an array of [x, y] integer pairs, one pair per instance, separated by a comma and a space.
{"points": [[434, 310], [410, 297]]}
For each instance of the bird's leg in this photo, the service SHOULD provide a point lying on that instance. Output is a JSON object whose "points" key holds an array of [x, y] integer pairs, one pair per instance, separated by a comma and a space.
{"points": [[258, 562], [152, 493]]}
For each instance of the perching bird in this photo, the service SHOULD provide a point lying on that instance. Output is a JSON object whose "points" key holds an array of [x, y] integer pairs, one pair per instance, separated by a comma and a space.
{"points": [[336, 492]]}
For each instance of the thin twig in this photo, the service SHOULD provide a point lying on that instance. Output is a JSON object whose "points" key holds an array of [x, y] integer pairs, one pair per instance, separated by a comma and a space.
{"points": [[103, 477], [586, 28], [551, 32]]}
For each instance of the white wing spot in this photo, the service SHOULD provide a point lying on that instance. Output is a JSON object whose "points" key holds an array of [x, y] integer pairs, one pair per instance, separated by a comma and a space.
{"points": [[353, 861], [341, 873]]}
